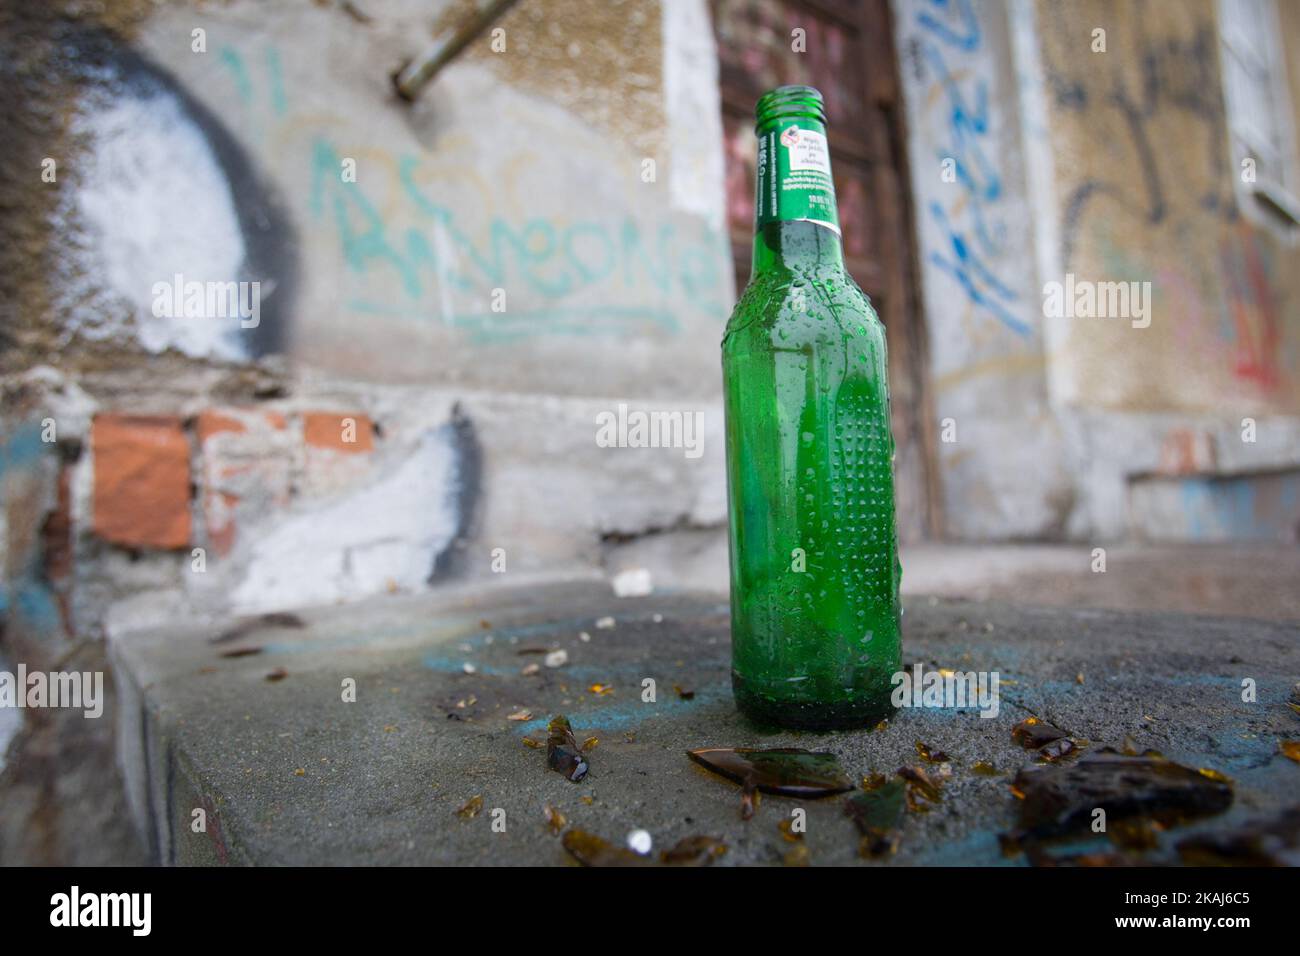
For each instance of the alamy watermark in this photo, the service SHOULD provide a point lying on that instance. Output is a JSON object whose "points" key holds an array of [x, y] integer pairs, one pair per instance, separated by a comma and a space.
{"points": [[76, 690], [130, 910], [946, 689], [181, 299], [1085, 299], [640, 429]]}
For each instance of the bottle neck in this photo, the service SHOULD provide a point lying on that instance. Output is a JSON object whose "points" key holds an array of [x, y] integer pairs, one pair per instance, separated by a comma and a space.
{"points": [[796, 221], [796, 246]]}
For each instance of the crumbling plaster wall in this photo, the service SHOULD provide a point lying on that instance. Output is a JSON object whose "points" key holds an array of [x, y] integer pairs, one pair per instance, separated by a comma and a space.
{"points": [[536, 239]]}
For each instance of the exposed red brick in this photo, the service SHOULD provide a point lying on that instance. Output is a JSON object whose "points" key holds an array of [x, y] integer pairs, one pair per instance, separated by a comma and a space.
{"points": [[213, 423], [142, 481], [221, 463], [325, 430]]}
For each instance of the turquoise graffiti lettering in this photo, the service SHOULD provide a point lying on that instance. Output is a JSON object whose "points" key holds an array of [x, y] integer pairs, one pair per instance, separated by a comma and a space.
{"points": [[552, 260]]}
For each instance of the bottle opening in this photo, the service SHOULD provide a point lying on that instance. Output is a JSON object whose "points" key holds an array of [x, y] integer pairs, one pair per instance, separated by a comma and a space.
{"points": [[789, 102]]}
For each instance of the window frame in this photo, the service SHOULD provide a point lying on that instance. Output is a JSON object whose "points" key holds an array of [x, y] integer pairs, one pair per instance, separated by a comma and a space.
{"points": [[1271, 200]]}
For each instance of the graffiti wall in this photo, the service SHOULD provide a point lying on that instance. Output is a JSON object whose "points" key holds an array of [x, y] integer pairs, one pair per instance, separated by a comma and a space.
{"points": [[1091, 279], [997, 452], [501, 230], [1147, 193], [285, 339]]}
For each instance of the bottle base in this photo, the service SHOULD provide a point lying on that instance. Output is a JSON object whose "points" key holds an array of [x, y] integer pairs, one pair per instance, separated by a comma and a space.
{"points": [[800, 715]]}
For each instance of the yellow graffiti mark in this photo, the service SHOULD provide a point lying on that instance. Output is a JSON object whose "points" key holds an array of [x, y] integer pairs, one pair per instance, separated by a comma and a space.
{"points": [[1018, 364]]}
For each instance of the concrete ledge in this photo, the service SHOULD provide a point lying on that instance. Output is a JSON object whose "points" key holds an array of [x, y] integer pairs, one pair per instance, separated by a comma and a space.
{"points": [[288, 773]]}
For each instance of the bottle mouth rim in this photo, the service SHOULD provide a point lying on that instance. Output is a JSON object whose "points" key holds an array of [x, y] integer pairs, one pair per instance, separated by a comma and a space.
{"points": [[785, 102]]}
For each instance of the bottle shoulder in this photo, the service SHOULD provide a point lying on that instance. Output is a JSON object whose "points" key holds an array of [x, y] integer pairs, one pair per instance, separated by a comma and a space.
{"points": [[795, 308]]}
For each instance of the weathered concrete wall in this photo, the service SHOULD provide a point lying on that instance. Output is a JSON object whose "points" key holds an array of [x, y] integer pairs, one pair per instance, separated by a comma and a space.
{"points": [[1145, 192], [1000, 461], [1086, 158], [450, 294]]}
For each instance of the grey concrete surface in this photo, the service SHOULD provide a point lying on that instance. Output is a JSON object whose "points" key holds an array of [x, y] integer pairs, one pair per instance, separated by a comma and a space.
{"points": [[1247, 580], [11, 720], [288, 773]]}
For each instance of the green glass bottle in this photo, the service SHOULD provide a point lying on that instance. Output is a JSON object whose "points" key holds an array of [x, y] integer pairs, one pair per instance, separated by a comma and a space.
{"points": [[815, 614]]}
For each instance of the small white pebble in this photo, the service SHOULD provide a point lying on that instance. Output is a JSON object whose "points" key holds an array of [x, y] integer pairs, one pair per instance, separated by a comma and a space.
{"points": [[605, 623], [468, 668], [639, 841], [634, 582], [584, 637], [658, 618], [557, 658]]}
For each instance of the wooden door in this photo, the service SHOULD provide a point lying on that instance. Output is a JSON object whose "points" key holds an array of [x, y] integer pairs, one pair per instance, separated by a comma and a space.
{"points": [[849, 56]]}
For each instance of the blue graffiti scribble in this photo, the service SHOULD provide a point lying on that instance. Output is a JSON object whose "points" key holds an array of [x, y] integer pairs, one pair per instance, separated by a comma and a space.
{"points": [[967, 251], [974, 276], [968, 40]]}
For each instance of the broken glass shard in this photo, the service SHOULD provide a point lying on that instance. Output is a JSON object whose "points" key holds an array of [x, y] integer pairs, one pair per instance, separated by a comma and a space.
{"points": [[694, 851], [1269, 842], [562, 753], [924, 751], [1032, 733], [877, 813], [1060, 799], [591, 850], [787, 771]]}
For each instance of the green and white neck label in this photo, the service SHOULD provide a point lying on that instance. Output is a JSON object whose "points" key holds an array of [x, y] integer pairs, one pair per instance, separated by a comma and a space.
{"points": [[794, 175]]}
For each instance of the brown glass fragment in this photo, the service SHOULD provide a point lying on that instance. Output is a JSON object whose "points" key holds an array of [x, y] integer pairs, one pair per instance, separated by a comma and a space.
{"points": [[797, 855], [877, 814], [919, 784], [786, 771], [874, 781], [1059, 799], [1061, 747], [694, 851], [555, 820], [1290, 749], [471, 808], [1136, 833], [1268, 842], [562, 753], [984, 769], [591, 850], [930, 756], [1033, 732]]}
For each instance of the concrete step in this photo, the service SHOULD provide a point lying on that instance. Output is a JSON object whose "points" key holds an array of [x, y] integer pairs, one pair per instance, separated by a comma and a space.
{"points": [[287, 772]]}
